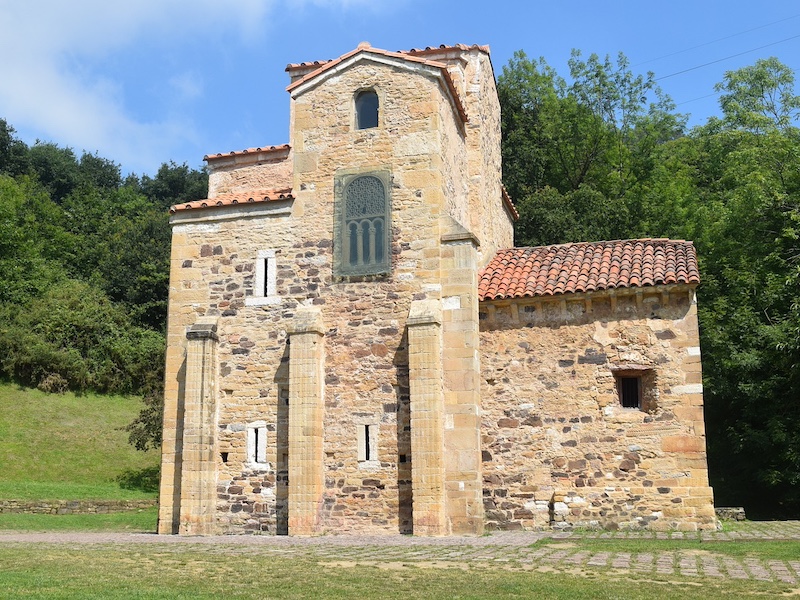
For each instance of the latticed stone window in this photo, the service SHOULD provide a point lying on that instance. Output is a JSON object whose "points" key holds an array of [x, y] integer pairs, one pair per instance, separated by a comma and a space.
{"points": [[362, 243]]}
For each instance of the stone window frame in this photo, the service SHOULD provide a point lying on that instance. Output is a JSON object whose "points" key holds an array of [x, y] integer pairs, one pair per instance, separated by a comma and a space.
{"points": [[256, 445], [342, 268], [265, 286], [646, 383], [359, 95], [367, 443]]}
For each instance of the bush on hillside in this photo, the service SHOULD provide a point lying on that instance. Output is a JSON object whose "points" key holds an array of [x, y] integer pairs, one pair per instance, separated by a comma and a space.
{"points": [[74, 334]]}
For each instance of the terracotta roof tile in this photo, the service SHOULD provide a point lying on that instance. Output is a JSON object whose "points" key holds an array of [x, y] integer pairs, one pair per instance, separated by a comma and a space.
{"points": [[231, 199], [445, 48], [270, 149], [587, 267], [509, 204], [413, 51]]}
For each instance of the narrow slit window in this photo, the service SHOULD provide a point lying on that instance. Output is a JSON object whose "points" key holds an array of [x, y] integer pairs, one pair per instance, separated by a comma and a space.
{"points": [[265, 288], [258, 458], [257, 443], [366, 109], [367, 443], [265, 284]]}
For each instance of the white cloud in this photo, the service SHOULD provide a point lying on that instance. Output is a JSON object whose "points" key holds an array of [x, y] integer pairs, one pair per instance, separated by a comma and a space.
{"points": [[51, 86], [54, 87]]}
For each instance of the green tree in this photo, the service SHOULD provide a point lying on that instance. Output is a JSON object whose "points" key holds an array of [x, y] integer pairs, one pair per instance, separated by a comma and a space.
{"points": [[57, 168], [26, 214], [580, 149], [174, 184], [760, 98], [74, 335], [13, 152]]}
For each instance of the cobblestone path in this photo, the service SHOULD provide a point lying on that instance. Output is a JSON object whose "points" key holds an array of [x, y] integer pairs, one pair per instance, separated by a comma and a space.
{"points": [[547, 551]]}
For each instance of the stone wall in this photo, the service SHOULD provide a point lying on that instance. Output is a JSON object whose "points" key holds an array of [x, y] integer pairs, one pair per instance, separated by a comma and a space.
{"points": [[73, 507], [365, 342], [247, 171], [558, 448]]}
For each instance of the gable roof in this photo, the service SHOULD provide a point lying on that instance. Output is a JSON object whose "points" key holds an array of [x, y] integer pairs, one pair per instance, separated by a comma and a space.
{"points": [[427, 51], [365, 50], [587, 267]]}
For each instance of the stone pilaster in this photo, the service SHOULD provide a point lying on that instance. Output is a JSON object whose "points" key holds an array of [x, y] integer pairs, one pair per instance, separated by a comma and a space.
{"points": [[427, 418], [461, 375], [198, 465], [306, 412]]}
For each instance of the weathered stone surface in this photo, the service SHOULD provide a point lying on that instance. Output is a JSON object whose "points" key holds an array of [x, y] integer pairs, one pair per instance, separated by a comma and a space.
{"points": [[396, 402], [582, 438]]}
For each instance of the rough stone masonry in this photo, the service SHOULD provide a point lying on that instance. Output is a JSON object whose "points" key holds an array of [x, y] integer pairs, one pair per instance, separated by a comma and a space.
{"points": [[355, 346]]}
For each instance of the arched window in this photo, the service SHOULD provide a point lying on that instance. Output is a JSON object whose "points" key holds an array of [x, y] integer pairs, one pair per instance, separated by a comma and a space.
{"points": [[366, 109], [363, 215]]}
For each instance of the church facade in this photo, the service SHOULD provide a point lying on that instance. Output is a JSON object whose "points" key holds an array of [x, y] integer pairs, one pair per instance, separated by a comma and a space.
{"points": [[354, 344]]}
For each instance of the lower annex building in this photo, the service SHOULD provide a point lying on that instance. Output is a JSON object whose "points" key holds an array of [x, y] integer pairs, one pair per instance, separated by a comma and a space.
{"points": [[354, 344]]}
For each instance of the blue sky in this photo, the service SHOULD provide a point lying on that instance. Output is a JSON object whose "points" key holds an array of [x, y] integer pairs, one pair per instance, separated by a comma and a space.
{"points": [[148, 81]]}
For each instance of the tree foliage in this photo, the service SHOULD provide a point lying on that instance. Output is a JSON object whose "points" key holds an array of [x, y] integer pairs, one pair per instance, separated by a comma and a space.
{"points": [[578, 152], [84, 268]]}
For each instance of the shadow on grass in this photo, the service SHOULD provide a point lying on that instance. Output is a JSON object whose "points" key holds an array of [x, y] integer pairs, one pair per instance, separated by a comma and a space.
{"points": [[144, 480]]}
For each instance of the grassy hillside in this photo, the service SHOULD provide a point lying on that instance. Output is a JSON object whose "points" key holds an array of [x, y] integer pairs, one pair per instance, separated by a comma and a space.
{"points": [[69, 447]]}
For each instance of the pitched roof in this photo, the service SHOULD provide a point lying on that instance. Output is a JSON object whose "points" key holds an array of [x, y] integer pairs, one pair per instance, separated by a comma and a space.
{"points": [[231, 199], [428, 50], [366, 48], [587, 267]]}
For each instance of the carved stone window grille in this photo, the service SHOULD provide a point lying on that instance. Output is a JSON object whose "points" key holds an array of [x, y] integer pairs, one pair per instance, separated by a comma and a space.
{"points": [[364, 216]]}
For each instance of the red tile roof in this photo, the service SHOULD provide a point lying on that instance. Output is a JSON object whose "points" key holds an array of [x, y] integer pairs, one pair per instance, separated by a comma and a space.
{"points": [[445, 48], [508, 203], [231, 199], [268, 149], [413, 51], [587, 267]]}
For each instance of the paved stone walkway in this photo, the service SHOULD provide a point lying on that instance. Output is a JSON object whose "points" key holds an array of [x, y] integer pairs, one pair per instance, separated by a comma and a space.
{"points": [[544, 551]]}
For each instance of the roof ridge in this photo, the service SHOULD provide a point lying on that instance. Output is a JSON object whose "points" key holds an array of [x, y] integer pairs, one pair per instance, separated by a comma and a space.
{"points": [[599, 242], [428, 49]]}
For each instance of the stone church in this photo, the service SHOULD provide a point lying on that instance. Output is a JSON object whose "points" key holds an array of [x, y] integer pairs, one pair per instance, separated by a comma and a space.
{"points": [[354, 344]]}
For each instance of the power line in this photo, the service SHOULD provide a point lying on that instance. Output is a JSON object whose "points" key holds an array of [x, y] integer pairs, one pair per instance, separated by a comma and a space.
{"points": [[699, 98], [727, 37], [726, 58]]}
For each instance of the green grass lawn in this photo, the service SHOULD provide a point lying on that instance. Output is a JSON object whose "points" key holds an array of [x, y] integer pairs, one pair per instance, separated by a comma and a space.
{"points": [[68, 447], [248, 571], [71, 447]]}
